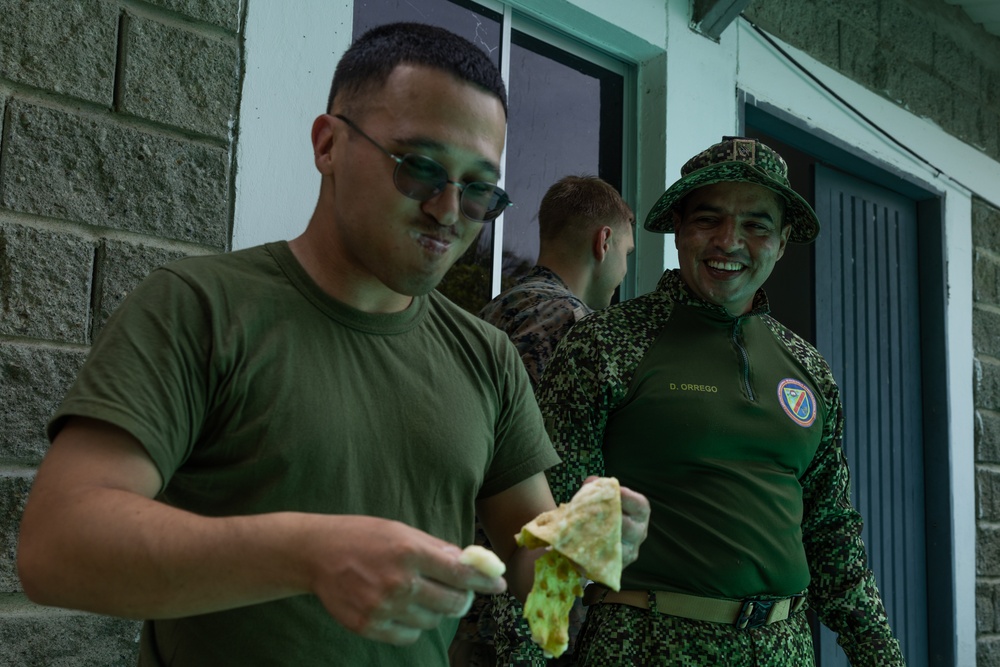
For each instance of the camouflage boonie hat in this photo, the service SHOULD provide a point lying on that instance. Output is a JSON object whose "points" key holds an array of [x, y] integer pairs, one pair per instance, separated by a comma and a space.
{"points": [[737, 159]]}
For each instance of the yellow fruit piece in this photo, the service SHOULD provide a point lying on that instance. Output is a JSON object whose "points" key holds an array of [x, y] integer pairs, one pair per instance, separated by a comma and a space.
{"points": [[557, 584], [483, 560]]}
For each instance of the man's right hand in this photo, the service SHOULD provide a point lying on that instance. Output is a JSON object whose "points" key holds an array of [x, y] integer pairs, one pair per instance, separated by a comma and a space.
{"points": [[387, 581]]}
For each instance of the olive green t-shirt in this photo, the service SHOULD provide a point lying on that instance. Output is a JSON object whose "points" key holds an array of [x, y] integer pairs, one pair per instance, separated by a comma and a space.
{"points": [[253, 391]]}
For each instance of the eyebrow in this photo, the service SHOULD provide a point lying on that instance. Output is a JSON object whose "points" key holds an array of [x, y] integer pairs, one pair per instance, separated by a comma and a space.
{"points": [[433, 145], [764, 215]]}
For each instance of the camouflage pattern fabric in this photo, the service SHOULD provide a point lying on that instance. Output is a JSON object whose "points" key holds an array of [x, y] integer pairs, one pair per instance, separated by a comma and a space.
{"points": [[590, 375], [514, 647], [472, 645], [535, 314], [616, 635]]}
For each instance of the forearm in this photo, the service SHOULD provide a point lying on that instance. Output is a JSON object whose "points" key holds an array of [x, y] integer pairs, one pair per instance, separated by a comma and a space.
{"points": [[113, 552]]}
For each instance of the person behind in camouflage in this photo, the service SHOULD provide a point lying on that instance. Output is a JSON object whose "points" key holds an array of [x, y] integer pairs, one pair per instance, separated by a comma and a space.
{"points": [[586, 233], [731, 425]]}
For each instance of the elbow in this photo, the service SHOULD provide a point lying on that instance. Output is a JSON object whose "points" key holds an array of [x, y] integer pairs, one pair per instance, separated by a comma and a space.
{"points": [[30, 569], [35, 567]]}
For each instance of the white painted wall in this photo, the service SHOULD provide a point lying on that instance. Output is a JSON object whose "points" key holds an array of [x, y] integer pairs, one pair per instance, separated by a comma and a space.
{"points": [[290, 58]]}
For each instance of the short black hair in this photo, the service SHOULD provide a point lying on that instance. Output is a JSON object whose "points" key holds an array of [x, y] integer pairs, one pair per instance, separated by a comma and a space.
{"points": [[369, 61]]}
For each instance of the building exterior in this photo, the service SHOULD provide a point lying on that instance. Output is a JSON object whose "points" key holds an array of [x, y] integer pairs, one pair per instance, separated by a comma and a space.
{"points": [[134, 132]]}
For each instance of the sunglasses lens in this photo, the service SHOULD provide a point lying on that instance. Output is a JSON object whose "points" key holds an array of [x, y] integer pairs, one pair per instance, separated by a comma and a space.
{"points": [[483, 201], [420, 177]]}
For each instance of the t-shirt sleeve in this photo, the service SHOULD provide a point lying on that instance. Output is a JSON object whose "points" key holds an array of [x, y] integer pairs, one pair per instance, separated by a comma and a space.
{"points": [[522, 447], [147, 371]]}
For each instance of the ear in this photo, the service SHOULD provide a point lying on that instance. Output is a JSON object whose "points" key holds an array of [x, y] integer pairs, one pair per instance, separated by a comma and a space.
{"points": [[601, 242], [324, 131], [677, 227]]}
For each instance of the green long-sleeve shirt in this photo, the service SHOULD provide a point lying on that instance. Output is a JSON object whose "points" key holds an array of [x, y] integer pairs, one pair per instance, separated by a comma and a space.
{"points": [[732, 428]]}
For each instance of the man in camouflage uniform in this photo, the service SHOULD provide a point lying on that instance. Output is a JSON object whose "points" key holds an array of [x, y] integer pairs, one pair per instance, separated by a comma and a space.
{"points": [[731, 425], [586, 232]]}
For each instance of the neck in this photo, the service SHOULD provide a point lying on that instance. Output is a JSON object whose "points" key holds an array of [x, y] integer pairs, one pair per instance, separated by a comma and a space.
{"points": [[318, 252], [577, 278]]}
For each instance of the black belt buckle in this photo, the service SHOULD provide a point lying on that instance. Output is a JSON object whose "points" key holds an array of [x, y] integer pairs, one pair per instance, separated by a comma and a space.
{"points": [[753, 613]]}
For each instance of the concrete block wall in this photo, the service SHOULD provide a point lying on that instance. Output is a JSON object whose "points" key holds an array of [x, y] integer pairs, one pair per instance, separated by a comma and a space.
{"points": [[925, 55], [117, 126], [986, 341], [930, 58]]}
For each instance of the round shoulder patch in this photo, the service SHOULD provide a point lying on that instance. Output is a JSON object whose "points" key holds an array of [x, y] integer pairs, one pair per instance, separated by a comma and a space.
{"points": [[797, 401]]}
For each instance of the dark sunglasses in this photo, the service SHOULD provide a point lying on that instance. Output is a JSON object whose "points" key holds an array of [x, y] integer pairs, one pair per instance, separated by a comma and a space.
{"points": [[421, 178]]}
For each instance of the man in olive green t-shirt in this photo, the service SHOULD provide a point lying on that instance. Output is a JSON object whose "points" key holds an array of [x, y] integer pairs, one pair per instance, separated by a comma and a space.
{"points": [[274, 456]]}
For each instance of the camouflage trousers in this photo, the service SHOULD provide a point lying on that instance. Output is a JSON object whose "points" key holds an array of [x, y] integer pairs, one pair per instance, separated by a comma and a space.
{"points": [[615, 635]]}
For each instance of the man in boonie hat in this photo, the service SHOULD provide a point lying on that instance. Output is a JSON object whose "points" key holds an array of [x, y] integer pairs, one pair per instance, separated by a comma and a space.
{"points": [[731, 425]]}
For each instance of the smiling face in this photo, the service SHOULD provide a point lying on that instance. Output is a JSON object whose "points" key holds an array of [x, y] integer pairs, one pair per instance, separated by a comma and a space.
{"points": [[728, 238], [384, 245]]}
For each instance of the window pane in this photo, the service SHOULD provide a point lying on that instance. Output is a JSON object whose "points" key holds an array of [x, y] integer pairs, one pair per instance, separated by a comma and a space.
{"points": [[477, 24], [565, 118]]}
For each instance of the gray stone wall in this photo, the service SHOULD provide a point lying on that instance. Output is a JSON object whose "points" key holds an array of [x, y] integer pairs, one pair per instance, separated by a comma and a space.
{"points": [[925, 55], [930, 58], [116, 145], [986, 337]]}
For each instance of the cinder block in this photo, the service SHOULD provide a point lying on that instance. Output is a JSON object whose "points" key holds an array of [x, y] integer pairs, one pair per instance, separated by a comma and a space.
{"points": [[986, 340], [923, 92], [987, 494], [864, 56], [985, 225], [987, 551], [39, 636], [858, 14], [121, 267], [223, 13], [805, 24], [985, 278], [952, 61], [906, 26], [974, 123], [987, 651], [180, 77], [987, 434], [44, 284], [13, 495], [92, 170], [987, 600], [63, 47], [991, 81], [33, 380]]}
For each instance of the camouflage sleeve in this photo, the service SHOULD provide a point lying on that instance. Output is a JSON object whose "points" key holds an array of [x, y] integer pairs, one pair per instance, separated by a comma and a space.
{"points": [[843, 590], [576, 428], [573, 400], [538, 336]]}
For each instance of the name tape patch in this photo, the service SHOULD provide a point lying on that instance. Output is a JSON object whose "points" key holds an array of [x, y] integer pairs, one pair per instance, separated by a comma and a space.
{"points": [[797, 401]]}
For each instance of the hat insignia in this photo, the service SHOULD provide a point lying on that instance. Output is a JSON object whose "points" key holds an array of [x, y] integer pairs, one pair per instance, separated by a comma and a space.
{"points": [[745, 150]]}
